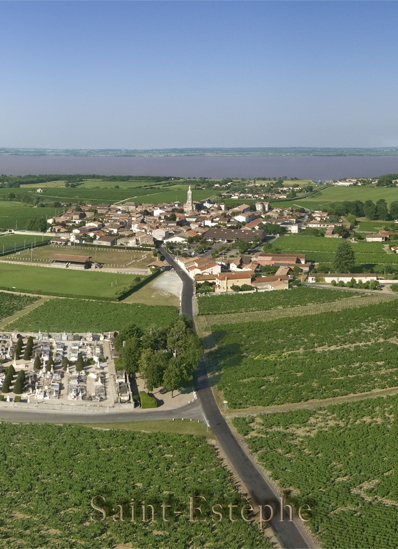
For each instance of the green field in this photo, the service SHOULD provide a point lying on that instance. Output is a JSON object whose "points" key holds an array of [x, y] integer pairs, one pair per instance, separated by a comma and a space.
{"points": [[265, 301], [18, 240], [122, 258], [342, 462], [58, 281], [74, 315], [310, 357], [14, 215], [320, 249], [150, 194], [51, 473], [321, 199]]}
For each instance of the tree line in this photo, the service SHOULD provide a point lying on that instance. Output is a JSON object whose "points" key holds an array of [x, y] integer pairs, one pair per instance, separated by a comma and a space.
{"points": [[162, 356], [373, 211]]}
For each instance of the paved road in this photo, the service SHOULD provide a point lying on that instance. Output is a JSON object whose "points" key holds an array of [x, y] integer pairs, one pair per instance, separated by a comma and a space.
{"points": [[288, 533], [190, 411]]}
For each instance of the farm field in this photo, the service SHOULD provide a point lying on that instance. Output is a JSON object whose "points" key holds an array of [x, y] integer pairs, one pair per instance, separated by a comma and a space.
{"points": [[51, 473], [371, 226], [320, 249], [340, 194], [14, 215], [340, 460], [74, 315], [64, 282], [8, 241], [156, 194], [96, 183], [318, 356], [265, 301], [121, 258], [11, 303]]}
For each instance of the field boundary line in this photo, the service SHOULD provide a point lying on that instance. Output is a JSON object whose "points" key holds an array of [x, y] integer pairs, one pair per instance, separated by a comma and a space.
{"points": [[310, 404], [300, 310]]}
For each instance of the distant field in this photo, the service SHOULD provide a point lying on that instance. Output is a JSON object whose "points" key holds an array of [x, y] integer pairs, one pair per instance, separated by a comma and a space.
{"points": [[17, 240], [340, 460], [308, 357], [320, 249], [129, 258], [302, 243], [151, 193], [14, 215], [57, 281], [96, 183], [373, 226], [74, 315], [265, 301]]}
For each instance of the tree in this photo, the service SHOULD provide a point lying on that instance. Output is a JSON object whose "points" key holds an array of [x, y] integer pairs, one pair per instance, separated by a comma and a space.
{"points": [[382, 210], [369, 210], [152, 367], [50, 364], [79, 364], [342, 231], [173, 376], [394, 209], [344, 258], [37, 363], [65, 363], [37, 224]]}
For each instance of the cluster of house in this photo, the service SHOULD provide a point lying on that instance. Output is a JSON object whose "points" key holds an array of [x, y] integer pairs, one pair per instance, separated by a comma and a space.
{"points": [[131, 224], [224, 273]]}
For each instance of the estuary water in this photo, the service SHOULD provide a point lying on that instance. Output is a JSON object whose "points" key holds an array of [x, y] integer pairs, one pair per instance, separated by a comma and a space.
{"points": [[304, 167]]}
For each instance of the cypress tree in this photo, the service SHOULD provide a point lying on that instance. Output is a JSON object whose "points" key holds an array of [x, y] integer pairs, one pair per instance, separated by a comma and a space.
{"points": [[37, 364], [79, 364]]}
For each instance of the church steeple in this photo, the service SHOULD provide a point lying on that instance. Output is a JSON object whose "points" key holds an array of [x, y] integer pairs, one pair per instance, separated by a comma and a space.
{"points": [[188, 206]]}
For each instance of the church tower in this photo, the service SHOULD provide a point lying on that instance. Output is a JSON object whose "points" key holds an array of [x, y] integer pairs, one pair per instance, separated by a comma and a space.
{"points": [[188, 206]]}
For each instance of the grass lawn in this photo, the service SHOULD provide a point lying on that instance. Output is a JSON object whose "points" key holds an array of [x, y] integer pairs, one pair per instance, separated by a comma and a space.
{"points": [[58, 281], [178, 426], [16, 240], [122, 258]]}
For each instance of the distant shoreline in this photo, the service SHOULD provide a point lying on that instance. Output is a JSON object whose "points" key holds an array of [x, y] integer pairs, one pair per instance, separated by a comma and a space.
{"points": [[205, 152]]}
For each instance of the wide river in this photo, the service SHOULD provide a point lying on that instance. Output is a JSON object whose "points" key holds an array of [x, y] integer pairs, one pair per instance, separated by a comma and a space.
{"points": [[303, 167]]}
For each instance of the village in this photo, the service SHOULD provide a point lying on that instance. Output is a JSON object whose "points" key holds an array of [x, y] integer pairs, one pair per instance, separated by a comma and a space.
{"points": [[221, 248]]}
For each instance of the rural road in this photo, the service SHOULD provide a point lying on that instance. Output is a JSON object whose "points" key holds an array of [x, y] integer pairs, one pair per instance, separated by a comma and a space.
{"points": [[288, 533], [190, 411]]}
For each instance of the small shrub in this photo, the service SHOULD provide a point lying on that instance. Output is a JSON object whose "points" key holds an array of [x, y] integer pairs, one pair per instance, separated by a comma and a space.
{"points": [[147, 401]]}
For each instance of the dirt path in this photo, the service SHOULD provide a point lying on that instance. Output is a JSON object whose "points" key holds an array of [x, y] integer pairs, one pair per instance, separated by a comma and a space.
{"points": [[310, 404]]}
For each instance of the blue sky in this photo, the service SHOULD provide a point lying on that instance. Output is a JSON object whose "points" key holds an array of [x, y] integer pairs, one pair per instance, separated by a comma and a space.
{"points": [[198, 74]]}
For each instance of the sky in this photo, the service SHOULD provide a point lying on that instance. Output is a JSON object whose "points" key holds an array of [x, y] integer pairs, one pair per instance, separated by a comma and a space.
{"points": [[143, 75]]}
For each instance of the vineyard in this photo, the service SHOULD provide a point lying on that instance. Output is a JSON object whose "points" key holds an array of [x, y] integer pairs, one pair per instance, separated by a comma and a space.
{"points": [[310, 357], [341, 461], [50, 474], [265, 301], [74, 315], [11, 304], [14, 215]]}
